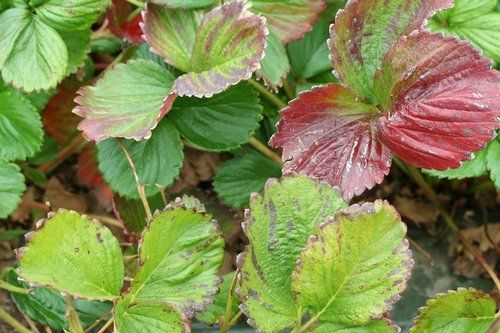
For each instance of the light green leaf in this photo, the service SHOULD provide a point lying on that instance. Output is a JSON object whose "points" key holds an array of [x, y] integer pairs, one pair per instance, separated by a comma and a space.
{"points": [[180, 255], [215, 311], [186, 4], [158, 161], [277, 226], [493, 161], [236, 179], [275, 66], [353, 270], [128, 101], [73, 254], [461, 311], [11, 188], [78, 45], [473, 168], [21, 133], [222, 122], [377, 326]]}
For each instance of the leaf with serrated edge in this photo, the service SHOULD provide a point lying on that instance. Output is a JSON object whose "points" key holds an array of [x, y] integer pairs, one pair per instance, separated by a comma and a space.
{"points": [[11, 188], [328, 135], [289, 19], [78, 46], [365, 30], [180, 254], [73, 254], [186, 4], [377, 326], [355, 266], [127, 102], [460, 311], [277, 226], [275, 66]]}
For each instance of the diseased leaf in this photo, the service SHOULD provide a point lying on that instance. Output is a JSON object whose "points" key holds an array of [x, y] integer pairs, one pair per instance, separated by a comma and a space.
{"points": [[215, 311], [377, 326], [186, 4], [158, 161], [222, 122], [236, 179], [11, 188], [461, 311], [73, 254], [277, 226], [128, 101], [275, 66], [289, 19], [353, 270], [330, 136]]}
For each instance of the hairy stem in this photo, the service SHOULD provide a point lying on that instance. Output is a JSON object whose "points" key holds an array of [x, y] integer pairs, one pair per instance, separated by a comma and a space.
{"points": [[268, 95], [226, 323], [265, 150], [13, 289], [7, 318]]}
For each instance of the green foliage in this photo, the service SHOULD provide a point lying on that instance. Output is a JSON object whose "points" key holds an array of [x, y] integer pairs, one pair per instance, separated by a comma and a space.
{"points": [[131, 211], [275, 65], [11, 188]]}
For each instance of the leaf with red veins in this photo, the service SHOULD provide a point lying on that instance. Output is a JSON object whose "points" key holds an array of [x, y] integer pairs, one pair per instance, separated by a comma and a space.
{"points": [[365, 30], [289, 19], [328, 135], [118, 15], [446, 100]]}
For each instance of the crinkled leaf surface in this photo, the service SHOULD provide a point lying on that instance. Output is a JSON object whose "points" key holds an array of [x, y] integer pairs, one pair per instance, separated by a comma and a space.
{"points": [[222, 122], [21, 133], [186, 4], [73, 254], [278, 225], [464, 310], [223, 50], [128, 101], [289, 19], [330, 136], [377, 326], [275, 65], [158, 161], [356, 265], [11, 188], [236, 179]]}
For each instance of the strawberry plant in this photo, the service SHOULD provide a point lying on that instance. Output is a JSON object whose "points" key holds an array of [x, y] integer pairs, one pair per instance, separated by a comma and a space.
{"points": [[291, 110]]}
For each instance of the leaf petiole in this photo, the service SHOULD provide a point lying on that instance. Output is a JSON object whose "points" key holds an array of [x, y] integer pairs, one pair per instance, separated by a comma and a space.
{"points": [[11, 288], [7, 318]]}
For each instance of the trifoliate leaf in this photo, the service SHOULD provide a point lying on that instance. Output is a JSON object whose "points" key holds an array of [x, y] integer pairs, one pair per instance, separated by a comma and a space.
{"points": [[356, 265], [224, 49], [289, 19], [377, 326], [73, 254], [222, 122], [128, 101], [236, 179], [492, 161], [78, 45], [461, 311], [309, 56], [11, 188], [158, 161], [186, 4], [277, 226], [180, 254], [21, 133], [275, 65]]}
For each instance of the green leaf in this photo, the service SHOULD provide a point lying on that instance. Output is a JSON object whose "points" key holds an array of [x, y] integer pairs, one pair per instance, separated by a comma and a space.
{"points": [[180, 255], [222, 122], [70, 15], [238, 178], [275, 66], [128, 101], [186, 4], [73, 254], [48, 307], [277, 226], [377, 326], [473, 168], [353, 270], [309, 56], [493, 161], [11, 188], [158, 161], [215, 311], [8, 235], [464, 310], [32, 54], [21, 133], [106, 44], [132, 213], [78, 46]]}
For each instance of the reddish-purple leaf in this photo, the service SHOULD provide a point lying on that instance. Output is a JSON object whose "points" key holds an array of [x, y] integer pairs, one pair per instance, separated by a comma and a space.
{"points": [[328, 135], [118, 15]]}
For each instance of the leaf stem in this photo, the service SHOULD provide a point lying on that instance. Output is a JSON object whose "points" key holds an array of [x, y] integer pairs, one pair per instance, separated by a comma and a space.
{"points": [[288, 90], [265, 150], [14, 289], [74, 146], [268, 95], [226, 323], [107, 325], [75, 326], [7, 318], [420, 180], [140, 187]]}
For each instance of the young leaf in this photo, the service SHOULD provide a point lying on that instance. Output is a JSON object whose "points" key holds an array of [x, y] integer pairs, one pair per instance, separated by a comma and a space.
{"points": [[21, 133], [236, 179], [355, 267], [222, 122], [186, 4], [277, 226], [330, 136], [73, 254], [464, 310], [289, 19], [158, 161], [11, 188], [180, 254], [275, 65], [128, 101]]}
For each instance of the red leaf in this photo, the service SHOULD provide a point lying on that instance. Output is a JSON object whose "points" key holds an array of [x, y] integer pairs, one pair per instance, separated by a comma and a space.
{"points": [[328, 135], [87, 170], [117, 15]]}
